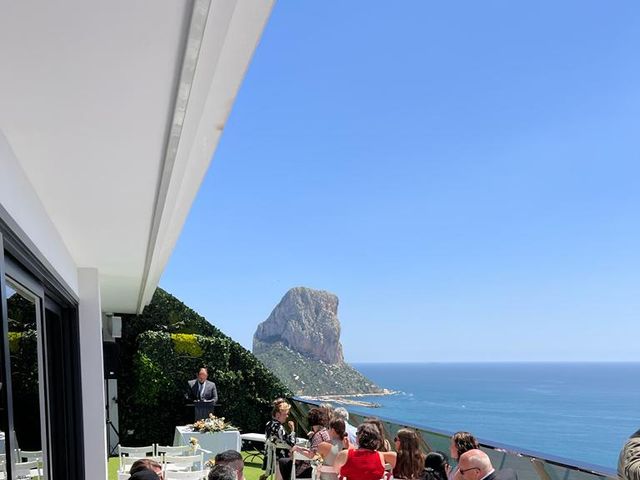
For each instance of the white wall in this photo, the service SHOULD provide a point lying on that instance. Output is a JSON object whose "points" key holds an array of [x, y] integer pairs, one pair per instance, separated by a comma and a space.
{"points": [[20, 200], [93, 396]]}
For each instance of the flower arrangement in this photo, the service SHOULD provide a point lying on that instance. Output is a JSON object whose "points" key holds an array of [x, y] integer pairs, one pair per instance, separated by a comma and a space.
{"points": [[193, 442], [211, 425]]}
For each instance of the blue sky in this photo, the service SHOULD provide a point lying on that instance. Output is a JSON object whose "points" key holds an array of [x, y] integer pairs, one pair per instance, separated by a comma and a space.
{"points": [[464, 175]]}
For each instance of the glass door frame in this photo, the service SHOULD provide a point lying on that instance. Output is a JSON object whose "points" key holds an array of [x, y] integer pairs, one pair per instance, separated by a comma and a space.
{"points": [[21, 282], [63, 444]]}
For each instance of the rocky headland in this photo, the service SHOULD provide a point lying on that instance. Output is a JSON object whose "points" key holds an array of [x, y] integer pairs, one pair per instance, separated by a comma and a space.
{"points": [[300, 344]]}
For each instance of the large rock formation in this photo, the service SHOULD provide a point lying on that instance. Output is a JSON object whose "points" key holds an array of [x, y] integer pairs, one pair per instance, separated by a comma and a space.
{"points": [[306, 321], [300, 344]]}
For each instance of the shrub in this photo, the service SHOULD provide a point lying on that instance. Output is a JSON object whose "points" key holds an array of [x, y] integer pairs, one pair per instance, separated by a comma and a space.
{"points": [[161, 350]]}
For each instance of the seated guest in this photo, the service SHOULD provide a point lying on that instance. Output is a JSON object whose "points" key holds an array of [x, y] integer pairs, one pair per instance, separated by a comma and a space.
{"points": [[317, 418], [410, 461], [436, 466], [145, 469], [364, 462], [385, 446], [461, 442], [328, 414], [328, 410], [329, 450], [476, 465], [275, 430], [233, 459], [629, 459], [343, 414], [221, 472]]}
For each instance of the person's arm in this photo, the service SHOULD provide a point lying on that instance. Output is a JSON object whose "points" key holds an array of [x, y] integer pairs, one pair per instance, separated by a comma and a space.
{"points": [[324, 448], [341, 459], [290, 438], [390, 458], [304, 451], [214, 393]]}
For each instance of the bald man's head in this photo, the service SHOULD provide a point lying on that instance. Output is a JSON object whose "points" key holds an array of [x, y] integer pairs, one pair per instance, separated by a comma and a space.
{"points": [[474, 464]]}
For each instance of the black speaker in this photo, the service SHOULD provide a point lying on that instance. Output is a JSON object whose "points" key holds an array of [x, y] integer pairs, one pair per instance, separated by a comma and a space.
{"points": [[111, 356]]}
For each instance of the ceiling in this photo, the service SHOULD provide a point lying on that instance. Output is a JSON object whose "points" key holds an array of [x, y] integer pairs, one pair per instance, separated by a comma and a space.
{"points": [[114, 110]]}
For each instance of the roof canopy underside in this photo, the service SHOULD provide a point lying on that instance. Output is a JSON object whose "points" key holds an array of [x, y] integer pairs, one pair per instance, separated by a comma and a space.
{"points": [[114, 110]]}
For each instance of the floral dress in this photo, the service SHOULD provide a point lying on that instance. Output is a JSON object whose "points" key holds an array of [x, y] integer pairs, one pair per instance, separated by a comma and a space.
{"points": [[275, 429]]}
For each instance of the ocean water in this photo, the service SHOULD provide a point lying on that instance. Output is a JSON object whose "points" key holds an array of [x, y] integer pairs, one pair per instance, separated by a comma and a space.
{"points": [[579, 411]]}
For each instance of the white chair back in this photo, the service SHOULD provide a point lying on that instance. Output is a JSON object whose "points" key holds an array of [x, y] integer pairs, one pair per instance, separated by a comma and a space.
{"points": [[300, 456], [126, 462], [137, 451], [30, 456], [183, 462], [197, 475], [270, 447], [27, 469], [173, 451], [123, 475]]}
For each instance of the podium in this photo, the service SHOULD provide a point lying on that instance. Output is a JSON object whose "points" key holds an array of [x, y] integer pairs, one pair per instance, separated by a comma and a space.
{"points": [[202, 408]]}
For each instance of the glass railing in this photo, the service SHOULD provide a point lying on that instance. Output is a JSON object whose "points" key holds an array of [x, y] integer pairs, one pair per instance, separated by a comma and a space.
{"points": [[529, 465]]}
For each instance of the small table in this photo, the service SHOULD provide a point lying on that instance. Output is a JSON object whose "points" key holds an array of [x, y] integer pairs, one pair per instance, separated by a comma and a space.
{"points": [[211, 443], [254, 443]]}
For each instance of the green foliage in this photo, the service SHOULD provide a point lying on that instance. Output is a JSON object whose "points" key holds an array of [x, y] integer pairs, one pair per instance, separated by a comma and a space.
{"points": [[306, 376], [186, 343], [161, 350], [14, 342]]}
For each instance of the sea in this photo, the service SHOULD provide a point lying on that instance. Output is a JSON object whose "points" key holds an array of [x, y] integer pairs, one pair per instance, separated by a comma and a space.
{"points": [[583, 412]]}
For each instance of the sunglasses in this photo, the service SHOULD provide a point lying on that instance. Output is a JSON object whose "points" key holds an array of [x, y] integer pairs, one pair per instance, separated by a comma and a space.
{"points": [[463, 471]]}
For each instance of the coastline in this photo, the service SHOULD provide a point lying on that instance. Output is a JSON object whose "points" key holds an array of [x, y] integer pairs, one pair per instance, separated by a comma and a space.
{"points": [[348, 399]]}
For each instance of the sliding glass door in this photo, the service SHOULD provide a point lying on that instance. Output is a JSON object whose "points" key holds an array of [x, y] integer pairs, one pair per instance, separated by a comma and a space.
{"points": [[29, 433], [40, 390]]}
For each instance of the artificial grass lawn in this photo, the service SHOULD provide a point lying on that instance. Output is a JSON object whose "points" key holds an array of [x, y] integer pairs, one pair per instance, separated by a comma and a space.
{"points": [[251, 470]]}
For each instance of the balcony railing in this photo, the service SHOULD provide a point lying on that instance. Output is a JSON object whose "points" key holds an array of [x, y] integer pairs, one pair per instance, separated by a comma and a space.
{"points": [[529, 465]]}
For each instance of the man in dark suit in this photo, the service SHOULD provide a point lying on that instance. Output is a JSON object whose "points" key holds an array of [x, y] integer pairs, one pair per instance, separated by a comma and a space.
{"points": [[203, 393], [476, 465]]}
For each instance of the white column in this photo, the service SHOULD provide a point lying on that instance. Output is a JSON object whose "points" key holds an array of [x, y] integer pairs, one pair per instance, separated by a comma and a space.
{"points": [[93, 404]]}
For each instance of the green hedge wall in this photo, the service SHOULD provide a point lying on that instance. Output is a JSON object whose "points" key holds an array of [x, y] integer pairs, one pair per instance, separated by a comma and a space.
{"points": [[161, 350]]}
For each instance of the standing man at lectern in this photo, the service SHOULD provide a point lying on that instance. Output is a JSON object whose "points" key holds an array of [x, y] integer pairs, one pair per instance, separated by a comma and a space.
{"points": [[203, 393]]}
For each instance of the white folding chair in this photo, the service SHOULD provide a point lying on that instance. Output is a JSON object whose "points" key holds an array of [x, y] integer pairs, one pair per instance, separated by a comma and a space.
{"points": [[270, 447], [30, 456], [197, 475], [325, 469], [173, 451], [27, 469], [300, 456], [126, 455], [127, 462], [137, 451], [183, 462]]}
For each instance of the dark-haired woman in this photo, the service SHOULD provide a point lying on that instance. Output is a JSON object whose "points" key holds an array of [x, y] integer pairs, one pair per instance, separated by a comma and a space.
{"points": [[410, 461], [365, 462], [329, 450], [385, 446], [461, 442], [436, 466], [317, 418]]}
